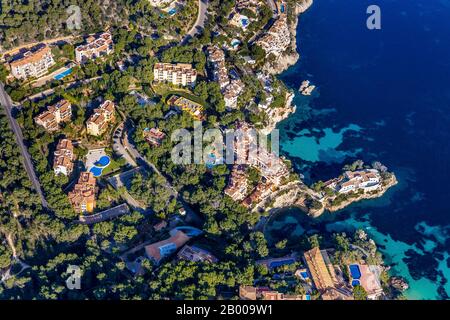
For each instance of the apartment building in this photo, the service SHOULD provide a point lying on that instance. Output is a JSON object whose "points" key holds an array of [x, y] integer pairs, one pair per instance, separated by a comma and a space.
{"points": [[82, 197], [63, 157], [216, 58], [96, 46], [265, 293], [232, 92], [231, 89], [98, 122], [54, 115], [249, 152], [181, 74], [33, 63], [277, 39]]}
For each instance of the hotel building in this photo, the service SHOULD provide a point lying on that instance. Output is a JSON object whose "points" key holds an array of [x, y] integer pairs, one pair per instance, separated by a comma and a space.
{"points": [[33, 63], [177, 74]]}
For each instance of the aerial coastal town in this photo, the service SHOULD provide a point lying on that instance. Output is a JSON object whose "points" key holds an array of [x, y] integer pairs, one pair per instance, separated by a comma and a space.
{"points": [[87, 177]]}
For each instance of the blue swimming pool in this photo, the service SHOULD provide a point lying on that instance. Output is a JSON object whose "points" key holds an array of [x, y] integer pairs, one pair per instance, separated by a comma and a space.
{"points": [[304, 275], [355, 283], [354, 271], [103, 161], [275, 264], [61, 75], [101, 164], [96, 171], [171, 12]]}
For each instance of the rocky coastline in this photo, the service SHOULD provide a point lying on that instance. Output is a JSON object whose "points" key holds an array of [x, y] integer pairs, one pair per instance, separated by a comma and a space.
{"points": [[290, 56]]}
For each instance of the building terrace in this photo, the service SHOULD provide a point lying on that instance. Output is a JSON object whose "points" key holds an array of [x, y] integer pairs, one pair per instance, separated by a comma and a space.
{"points": [[63, 160], [33, 63], [96, 46], [99, 120], [177, 74], [193, 108], [82, 197], [54, 115]]}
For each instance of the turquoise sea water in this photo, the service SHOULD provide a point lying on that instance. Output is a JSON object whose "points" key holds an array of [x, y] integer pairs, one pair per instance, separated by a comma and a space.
{"points": [[381, 95]]}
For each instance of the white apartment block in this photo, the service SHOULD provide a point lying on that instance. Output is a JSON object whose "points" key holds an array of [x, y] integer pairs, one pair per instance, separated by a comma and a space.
{"points": [[366, 180], [181, 74], [32, 63], [95, 47]]}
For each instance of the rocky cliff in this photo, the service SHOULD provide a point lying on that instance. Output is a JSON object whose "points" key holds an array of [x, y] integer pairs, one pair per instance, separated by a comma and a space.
{"points": [[291, 56]]}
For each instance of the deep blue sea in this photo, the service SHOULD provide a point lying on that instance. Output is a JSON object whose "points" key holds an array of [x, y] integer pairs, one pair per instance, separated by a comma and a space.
{"points": [[381, 95]]}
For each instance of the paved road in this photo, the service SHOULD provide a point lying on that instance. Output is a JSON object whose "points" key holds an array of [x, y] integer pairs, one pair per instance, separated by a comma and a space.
{"points": [[6, 102], [118, 146], [199, 23]]}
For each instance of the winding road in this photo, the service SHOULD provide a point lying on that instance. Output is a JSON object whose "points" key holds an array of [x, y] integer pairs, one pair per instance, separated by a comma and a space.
{"points": [[6, 102], [199, 23]]}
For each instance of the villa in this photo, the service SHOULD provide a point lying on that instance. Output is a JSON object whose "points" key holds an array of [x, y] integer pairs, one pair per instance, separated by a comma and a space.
{"points": [[33, 63], [177, 74], [54, 115], [95, 47], [162, 249], [365, 180], [82, 197], [193, 108], [161, 3], [63, 161], [154, 136], [196, 254], [240, 21], [99, 120]]}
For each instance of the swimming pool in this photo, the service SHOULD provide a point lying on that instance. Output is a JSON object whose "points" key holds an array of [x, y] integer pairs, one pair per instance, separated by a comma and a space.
{"points": [[354, 271], [101, 164], [61, 75], [171, 12], [103, 161], [355, 283]]}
